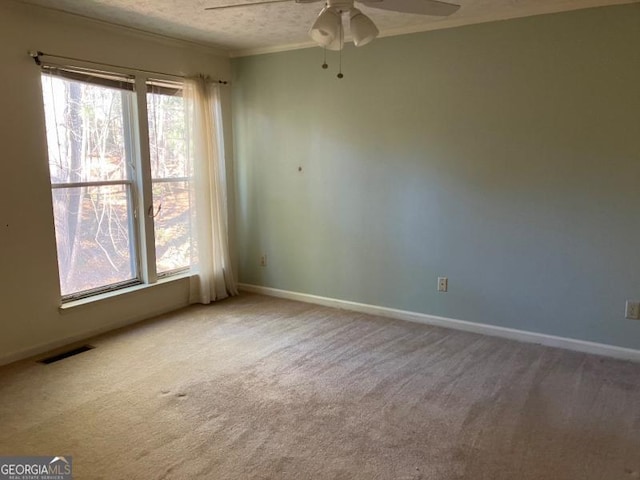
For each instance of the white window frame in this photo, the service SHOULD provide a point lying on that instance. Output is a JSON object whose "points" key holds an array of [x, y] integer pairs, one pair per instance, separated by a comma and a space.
{"points": [[139, 184], [153, 81]]}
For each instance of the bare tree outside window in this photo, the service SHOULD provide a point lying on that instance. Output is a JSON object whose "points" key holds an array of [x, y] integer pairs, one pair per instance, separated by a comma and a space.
{"points": [[91, 186], [98, 179], [171, 176]]}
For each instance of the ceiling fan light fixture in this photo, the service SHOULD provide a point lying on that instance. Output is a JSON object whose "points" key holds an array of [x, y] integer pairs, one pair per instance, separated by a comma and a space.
{"points": [[326, 28], [363, 30], [336, 44]]}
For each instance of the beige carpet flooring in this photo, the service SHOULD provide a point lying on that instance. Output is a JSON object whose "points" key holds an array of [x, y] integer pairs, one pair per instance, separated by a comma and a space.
{"points": [[262, 388]]}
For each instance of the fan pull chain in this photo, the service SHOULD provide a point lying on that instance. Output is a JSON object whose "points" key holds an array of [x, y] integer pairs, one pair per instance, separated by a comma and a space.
{"points": [[324, 62], [340, 75]]}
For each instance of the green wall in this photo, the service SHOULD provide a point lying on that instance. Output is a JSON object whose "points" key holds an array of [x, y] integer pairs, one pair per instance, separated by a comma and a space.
{"points": [[505, 156]]}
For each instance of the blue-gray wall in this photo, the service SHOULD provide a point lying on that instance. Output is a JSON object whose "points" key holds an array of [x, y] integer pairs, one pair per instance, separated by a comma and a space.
{"points": [[505, 156]]}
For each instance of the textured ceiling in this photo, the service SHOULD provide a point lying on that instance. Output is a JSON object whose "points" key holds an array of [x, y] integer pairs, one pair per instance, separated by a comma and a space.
{"points": [[257, 28]]}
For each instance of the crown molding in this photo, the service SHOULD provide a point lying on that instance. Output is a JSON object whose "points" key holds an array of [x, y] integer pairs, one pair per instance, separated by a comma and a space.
{"points": [[204, 48], [566, 6], [247, 52]]}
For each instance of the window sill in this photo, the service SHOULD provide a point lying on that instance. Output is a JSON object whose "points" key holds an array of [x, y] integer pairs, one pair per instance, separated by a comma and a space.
{"points": [[67, 306]]}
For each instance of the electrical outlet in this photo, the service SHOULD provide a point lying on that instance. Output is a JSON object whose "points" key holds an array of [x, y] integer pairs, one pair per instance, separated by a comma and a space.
{"points": [[632, 310], [263, 260], [443, 284]]}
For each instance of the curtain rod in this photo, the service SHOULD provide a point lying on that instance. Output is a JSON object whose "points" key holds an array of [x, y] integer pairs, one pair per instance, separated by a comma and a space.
{"points": [[37, 54]]}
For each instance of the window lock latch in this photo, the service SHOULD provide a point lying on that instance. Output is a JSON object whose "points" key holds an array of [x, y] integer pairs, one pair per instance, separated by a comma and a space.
{"points": [[151, 213]]}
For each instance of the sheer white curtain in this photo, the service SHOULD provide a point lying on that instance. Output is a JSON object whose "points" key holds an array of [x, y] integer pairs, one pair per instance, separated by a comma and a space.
{"points": [[214, 279]]}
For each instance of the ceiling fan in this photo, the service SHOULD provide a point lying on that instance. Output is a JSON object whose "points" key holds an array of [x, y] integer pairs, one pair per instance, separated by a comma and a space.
{"points": [[327, 30]]}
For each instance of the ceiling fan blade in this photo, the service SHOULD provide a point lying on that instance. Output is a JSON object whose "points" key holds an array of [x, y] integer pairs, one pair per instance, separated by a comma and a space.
{"points": [[235, 5], [422, 7]]}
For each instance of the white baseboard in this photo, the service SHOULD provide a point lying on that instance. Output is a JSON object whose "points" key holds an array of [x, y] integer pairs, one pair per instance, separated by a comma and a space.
{"points": [[482, 328], [70, 340]]}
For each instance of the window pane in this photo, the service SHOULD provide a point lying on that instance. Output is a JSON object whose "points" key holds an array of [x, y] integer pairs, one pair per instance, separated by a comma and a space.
{"points": [[172, 225], [85, 130], [170, 171], [167, 136], [94, 237]]}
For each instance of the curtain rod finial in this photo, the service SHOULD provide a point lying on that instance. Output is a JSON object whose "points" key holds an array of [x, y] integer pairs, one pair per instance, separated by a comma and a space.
{"points": [[36, 56]]}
